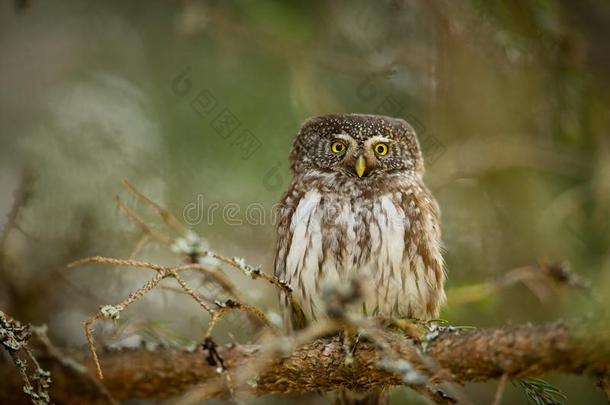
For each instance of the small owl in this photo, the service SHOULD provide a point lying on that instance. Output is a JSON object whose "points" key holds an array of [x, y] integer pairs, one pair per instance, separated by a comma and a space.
{"points": [[357, 207]]}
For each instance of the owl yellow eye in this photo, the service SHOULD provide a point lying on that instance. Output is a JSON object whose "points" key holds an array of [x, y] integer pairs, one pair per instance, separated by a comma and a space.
{"points": [[338, 147], [381, 149]]}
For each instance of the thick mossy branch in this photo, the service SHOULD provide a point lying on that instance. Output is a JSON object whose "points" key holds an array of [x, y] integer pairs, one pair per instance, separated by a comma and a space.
{"points": [[463, 356]]}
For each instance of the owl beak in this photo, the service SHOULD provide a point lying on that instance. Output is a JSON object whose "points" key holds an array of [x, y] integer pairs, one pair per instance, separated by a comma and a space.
{"points": [[360, 166]]}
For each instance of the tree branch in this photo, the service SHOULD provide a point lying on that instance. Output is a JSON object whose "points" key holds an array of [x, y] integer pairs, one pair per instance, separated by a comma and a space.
{"points": [[463, 356]]}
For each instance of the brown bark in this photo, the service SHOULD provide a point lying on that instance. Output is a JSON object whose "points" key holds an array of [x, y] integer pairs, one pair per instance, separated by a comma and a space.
{"points": [[462, 356]]}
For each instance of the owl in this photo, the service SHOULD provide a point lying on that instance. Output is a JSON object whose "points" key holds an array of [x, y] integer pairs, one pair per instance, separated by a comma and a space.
{"points": [[358, 208]]}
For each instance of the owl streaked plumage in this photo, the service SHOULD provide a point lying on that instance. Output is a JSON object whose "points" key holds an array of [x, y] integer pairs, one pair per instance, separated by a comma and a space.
{"points": [[358, 207]]}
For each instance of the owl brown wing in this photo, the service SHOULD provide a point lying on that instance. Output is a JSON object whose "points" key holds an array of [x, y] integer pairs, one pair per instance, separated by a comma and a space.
{"points": [[423, 240], [294, 318]]}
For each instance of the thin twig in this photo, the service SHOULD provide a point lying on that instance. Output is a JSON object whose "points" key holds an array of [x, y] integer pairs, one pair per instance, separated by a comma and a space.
{"points": [[69, 363], [22, 195], [537, 278], [191, 292], [165, 215], [256, 273], [116, 262], [218, 276], [500, 390], [148, 230], [144, 239], [113, 311], [233, 306]]}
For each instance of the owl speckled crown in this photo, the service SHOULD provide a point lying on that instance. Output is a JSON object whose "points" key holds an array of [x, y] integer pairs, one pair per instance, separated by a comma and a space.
{"points": [[360, 126]]}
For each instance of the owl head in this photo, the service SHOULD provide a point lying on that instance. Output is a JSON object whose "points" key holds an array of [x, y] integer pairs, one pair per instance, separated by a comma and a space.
{"points": [[356, 145]]}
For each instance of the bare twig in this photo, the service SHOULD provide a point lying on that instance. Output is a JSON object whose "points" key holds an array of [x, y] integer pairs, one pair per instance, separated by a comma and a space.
{"points": [[218, 276], [149, 231], [539, 279], [22, 195], [500, 390], [113, 311], [116, 262], [165, 215], [69, 363], [256, 273], [144, 239]]}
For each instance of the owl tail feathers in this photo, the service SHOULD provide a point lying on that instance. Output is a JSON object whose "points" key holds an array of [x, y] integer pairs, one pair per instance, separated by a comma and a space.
{"points": [[347, 397]]}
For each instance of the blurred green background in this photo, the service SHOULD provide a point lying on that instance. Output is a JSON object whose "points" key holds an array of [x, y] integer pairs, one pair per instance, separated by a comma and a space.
{"points": [[510, 99]]}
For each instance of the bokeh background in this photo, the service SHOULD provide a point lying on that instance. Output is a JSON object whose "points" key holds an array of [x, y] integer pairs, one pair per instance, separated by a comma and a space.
{"points": [[197, 102]]}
